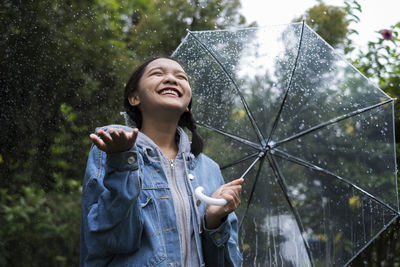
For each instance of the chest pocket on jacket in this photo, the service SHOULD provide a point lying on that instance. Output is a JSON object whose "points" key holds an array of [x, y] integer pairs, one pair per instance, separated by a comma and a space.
{"points": [[153, 188], [149, 199], [156, 188]]}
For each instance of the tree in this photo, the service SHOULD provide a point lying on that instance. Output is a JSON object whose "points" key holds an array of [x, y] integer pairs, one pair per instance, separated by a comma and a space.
{"points": [[329, 22], [60, 62], [159, 28], [380, 62]]}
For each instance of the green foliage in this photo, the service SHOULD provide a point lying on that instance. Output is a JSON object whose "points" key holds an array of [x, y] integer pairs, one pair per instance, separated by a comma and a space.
{"points": [[39, 227], [352, 9], [380, 62], [160, 26], [329, 22]]}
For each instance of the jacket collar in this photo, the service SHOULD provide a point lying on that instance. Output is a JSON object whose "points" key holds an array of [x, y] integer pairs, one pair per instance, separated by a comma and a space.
{"points": [[151, 152]]}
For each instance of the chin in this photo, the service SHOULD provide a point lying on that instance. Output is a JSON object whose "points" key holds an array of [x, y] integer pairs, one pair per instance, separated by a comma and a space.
{"points": [[171, 109]]}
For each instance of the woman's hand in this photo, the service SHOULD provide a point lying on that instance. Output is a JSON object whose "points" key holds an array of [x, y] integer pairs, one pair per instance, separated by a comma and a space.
{"points": [[115, 141], [231, 192]]}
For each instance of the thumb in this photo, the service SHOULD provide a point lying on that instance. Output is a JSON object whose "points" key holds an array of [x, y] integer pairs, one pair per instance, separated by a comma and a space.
{"points": [[133, 135]]}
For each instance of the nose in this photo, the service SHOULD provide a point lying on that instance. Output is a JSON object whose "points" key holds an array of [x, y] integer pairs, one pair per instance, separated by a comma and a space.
{"points": [[169, 78]]}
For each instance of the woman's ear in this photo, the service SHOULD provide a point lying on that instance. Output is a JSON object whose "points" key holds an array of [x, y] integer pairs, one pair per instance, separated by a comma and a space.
{"points": [[134, 100]]}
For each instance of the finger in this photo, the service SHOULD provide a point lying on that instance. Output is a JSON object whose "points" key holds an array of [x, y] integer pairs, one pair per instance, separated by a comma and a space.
{"points": [[232, 196], [227, 187], [114, 134], [235, 192], [131, 137], [234, 187], [97, 141], [135, 134], [235, 182], [232, 203], [237, 189], [104, 136], [235, 202]]}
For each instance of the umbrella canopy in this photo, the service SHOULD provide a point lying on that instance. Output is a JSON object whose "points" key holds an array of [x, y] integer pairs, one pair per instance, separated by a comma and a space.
{"points": [[313, 136]]}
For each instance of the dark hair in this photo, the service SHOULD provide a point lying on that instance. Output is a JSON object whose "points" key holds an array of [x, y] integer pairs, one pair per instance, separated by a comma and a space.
{"points": [[186, 120]]}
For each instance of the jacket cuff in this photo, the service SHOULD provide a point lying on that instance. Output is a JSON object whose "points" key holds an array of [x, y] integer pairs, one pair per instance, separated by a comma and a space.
{"points": [[219, 236], [125, 161]]}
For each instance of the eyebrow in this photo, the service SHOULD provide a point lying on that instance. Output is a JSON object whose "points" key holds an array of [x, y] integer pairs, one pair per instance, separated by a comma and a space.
{"points": [[162, 68]]}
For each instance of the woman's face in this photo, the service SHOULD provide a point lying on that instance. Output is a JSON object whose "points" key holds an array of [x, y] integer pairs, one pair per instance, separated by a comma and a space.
{"points": [[163, 87]]}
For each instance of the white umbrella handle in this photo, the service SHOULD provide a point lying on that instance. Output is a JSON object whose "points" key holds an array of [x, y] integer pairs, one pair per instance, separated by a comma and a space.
{"points": [[209, 200]]}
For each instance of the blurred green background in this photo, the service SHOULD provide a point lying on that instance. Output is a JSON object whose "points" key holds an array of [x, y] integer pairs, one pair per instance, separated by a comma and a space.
{"points": [[63, 69]]}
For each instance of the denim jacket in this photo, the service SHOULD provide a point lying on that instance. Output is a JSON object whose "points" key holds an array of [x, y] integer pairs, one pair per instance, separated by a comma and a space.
{"points": [[127, 218]]}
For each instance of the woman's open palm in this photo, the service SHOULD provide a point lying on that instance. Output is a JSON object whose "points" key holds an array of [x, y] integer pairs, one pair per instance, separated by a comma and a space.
{"points": [[115, 141]]}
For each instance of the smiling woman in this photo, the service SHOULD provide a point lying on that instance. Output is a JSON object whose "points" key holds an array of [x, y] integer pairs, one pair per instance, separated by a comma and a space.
{"points": [[171, 75], [163, 93], [138, 206]]}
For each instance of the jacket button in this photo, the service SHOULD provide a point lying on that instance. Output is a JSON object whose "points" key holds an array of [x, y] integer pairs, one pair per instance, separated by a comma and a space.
{"points": [[93, 182], [191, 176], [131, 160], [198, 202]]}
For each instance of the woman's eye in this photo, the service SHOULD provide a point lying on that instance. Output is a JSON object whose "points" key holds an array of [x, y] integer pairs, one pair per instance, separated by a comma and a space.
{"points": [[156, 73], [182, 77]]}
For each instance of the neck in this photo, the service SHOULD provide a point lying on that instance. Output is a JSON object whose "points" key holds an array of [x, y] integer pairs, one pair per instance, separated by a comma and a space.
{"points": [[163, 135]]}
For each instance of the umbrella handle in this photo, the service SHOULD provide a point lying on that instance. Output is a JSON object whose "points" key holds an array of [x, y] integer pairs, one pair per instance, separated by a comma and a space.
{"points": [[209, 200]]}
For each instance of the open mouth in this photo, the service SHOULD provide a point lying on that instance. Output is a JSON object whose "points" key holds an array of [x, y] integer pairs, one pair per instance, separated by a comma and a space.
{"points": [[170, 91]]}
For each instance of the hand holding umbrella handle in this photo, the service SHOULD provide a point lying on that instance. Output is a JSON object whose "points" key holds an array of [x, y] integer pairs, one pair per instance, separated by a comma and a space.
{"points": [[209, 200]]}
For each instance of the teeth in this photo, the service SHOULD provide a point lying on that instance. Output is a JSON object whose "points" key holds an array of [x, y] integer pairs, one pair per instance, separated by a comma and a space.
{"points": [[169, 91]]}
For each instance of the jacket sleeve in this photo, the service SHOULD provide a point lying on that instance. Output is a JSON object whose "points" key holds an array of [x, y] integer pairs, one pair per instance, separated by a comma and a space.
{"points": [[220, 246], [110, 211]]}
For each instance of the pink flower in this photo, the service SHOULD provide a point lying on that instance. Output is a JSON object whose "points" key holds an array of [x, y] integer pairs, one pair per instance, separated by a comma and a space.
{"points": [[387, 34]]}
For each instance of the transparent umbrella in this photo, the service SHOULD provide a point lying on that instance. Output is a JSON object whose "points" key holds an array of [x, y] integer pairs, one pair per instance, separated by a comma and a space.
{"points": [[312, 136]]}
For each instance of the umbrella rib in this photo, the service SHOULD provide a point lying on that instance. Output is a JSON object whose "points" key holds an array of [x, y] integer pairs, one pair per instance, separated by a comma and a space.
{"points": [[288, 87], [332, 121], [237, 138], [240, 160], [304, 163], [283, 185], [252, 189], [260, 155], [372, 239], [252, 120]]}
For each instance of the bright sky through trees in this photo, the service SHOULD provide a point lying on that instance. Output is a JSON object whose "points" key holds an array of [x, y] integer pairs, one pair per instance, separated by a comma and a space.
{"points": [[375, 16]]}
